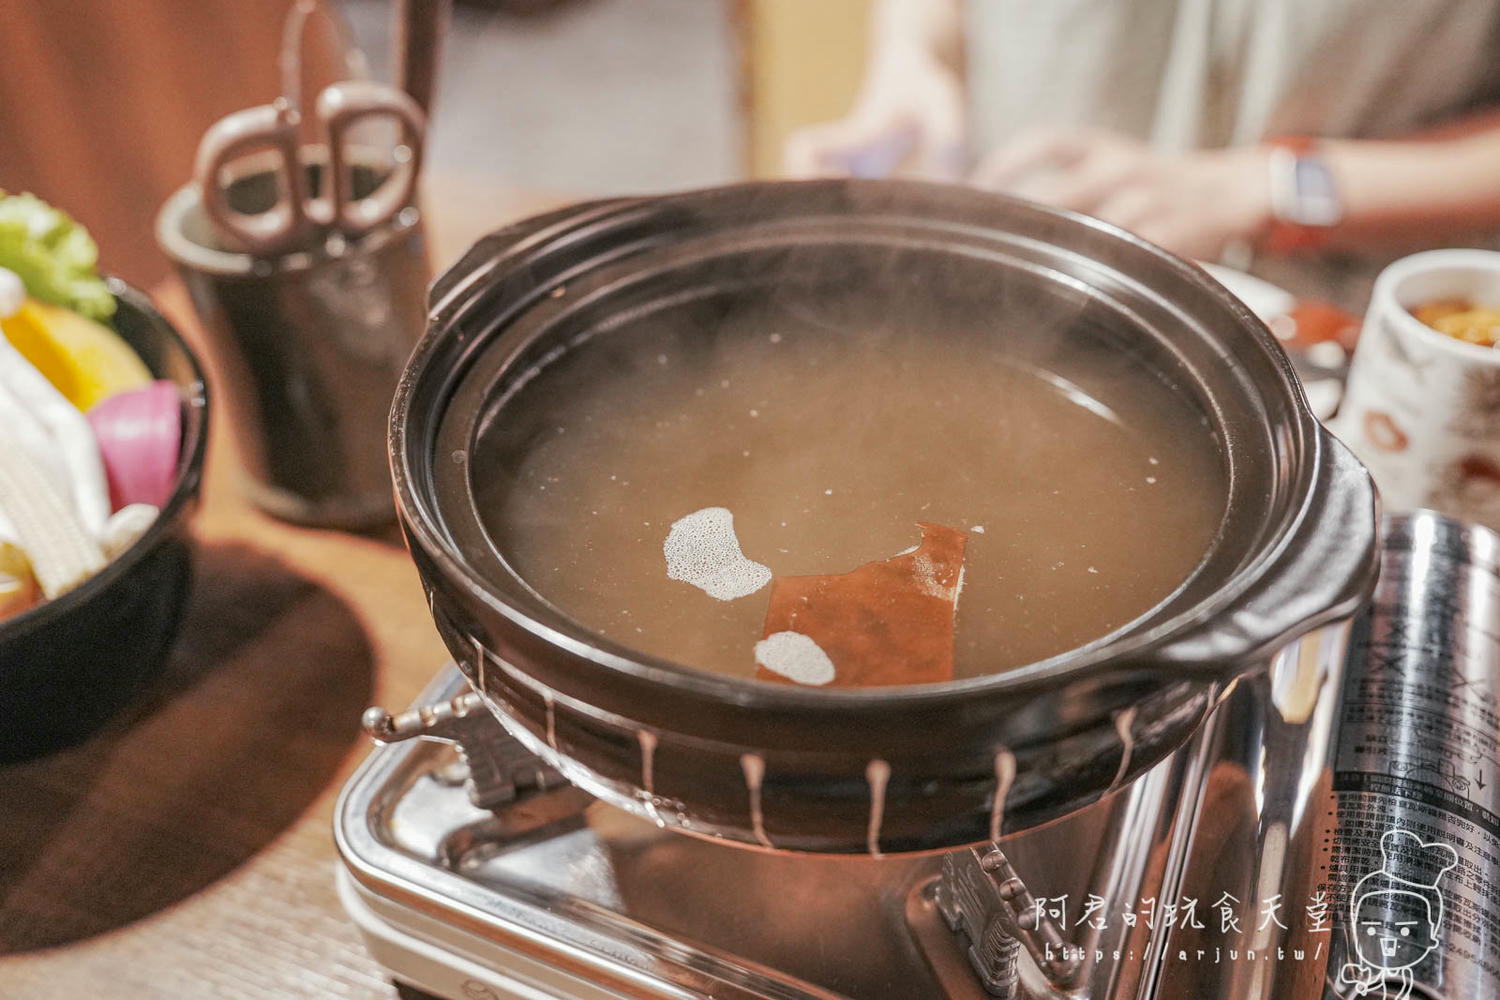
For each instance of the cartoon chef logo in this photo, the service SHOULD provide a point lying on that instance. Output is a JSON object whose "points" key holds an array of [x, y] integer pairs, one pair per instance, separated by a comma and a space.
{"points": [[1394, 915]]}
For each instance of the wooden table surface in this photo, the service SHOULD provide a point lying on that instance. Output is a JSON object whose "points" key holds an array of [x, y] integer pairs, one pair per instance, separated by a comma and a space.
{"points": [[186, 851]]}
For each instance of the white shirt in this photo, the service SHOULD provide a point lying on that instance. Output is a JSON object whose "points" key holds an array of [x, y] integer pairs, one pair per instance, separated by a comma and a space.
{"points": [[1209, 73]]}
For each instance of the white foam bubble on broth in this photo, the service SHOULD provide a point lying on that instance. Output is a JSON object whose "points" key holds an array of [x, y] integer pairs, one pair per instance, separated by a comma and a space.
{"points": [[796, 657], [702, 549]]}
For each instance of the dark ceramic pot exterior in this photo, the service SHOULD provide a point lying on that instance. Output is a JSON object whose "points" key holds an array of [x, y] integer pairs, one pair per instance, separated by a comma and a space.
{"points": [[798, 769]]}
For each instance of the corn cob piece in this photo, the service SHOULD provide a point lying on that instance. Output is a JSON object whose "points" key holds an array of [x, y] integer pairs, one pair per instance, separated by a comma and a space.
{"points": [[56, 432], [62, 552]]}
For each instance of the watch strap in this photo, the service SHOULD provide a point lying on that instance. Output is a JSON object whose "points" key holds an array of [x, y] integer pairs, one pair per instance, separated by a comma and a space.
{"points": [[1286, 232]]}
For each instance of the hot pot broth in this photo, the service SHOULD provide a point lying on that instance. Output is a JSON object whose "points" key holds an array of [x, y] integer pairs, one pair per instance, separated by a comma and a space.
{"points": [[1087, 488]]}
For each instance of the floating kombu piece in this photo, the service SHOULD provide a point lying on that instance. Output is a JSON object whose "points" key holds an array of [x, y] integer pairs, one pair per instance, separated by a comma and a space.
{"points": [[887, 622]]}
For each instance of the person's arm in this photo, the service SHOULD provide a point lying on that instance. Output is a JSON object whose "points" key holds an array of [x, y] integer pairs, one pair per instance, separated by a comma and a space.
{"points": [[1442, 184], [909, 112], [930, 27], [1445, 183]]}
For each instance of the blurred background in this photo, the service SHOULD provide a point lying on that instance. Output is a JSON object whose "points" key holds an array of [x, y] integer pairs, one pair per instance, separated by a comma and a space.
{"points": [[1158, 115], [102, 109]]}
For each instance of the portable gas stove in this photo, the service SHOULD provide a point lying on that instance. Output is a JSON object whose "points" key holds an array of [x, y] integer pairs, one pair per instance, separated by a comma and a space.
{"points": [[476, 872], [497, 879]]}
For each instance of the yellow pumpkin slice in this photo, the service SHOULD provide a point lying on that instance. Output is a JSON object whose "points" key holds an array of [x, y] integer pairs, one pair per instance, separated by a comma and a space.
{"points": [[85, 360]]}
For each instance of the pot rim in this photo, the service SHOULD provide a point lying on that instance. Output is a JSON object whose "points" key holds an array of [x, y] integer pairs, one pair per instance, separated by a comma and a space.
{"points": [[1121, 651]]}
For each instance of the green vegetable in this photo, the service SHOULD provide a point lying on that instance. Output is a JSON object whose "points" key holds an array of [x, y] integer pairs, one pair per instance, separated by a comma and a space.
{"points": [[54, 256]]}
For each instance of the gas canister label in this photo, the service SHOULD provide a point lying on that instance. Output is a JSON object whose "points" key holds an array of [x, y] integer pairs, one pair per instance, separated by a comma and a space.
{"points": [[1416, 843]]}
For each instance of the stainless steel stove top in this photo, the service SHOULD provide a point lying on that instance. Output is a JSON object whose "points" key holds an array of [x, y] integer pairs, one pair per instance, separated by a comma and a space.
{"points": [[582, 887]]}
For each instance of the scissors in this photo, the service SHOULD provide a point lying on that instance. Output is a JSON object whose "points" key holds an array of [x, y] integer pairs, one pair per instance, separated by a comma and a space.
{"points": [[298, 218]]}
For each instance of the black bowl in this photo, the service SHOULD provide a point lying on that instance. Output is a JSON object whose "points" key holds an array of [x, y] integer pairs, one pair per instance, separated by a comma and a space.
{"points": [[68, 665]]}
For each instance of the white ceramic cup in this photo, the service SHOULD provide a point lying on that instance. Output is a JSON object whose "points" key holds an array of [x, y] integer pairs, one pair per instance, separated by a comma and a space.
{"points": [[1422, 410]]}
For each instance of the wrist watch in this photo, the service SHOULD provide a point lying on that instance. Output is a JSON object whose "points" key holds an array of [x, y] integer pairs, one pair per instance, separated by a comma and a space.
{"points": [[1305, 202]]}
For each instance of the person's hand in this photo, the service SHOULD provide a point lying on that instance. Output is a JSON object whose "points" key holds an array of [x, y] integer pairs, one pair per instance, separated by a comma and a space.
{"points": [[908, 116], [1193, 204]]}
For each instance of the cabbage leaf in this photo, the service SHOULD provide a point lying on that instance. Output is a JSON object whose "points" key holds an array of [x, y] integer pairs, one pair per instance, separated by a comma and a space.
{"points": [[54, 257]]}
